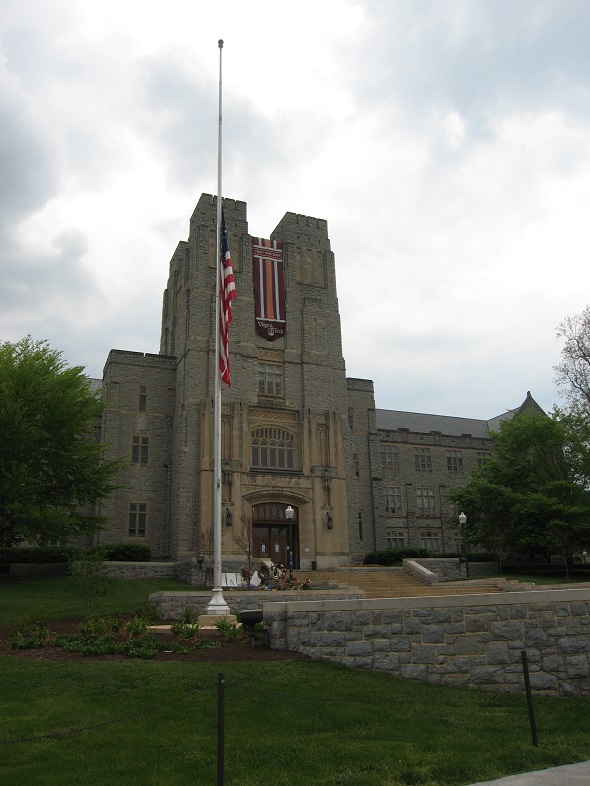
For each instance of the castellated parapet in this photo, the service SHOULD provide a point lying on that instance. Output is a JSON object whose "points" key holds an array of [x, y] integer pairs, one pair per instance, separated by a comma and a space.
{"points": [[296, 228]]}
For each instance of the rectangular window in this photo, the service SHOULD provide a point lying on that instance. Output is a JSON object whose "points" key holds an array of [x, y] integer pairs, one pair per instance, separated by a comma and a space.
{"points": [[454, 461], [137, 519], [357, 466], [142, 404], [422, 460], [389, 458], [483, 456], [393, 499], [425, 502], [270, 379], [139, 449]]}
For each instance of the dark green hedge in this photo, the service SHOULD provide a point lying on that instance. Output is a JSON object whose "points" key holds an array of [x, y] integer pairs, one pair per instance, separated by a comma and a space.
{"points": [[396, 556], [393, 556], [124, 552], [112, 552], [37, 554]]}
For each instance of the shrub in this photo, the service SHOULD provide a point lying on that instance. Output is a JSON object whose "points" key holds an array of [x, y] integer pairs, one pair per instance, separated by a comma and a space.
{"points": [[137, 627], [185, 630], [188, 613], [147, 612], [90, 576], [100, 626], [36, 554], [31, 631], [228, 628], [393, 556], [124, 552]]}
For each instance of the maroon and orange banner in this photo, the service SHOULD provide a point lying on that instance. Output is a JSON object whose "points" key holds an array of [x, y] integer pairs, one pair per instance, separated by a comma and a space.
{"points": [[269, 288]]}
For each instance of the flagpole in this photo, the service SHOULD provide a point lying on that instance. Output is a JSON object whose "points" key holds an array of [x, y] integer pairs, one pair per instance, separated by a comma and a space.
{"points": [[217, 606]]}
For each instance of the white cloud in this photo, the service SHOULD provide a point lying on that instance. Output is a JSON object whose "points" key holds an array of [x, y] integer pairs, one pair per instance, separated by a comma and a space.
{"points": [[446, 144]]}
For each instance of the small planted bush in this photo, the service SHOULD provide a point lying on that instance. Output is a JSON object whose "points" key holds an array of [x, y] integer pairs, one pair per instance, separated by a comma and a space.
{"points": [[100, 626], [147, 612], [230, 629], [31, 631], [185, 630], [90, 576], [188, 613], [137, 627]]}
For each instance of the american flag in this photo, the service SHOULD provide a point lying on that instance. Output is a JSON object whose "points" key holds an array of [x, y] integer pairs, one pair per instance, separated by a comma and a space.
{"points": [[227, 289]]}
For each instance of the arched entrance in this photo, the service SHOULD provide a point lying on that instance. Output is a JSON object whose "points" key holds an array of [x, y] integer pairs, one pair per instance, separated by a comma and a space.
{"points": [[273, 534]]}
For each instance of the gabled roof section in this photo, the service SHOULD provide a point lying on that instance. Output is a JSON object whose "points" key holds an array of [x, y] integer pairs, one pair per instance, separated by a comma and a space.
{"points": [[392, 420]]}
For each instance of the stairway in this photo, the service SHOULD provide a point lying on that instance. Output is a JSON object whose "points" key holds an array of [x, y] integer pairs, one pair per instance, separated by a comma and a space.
{"points": [[390, 583]]}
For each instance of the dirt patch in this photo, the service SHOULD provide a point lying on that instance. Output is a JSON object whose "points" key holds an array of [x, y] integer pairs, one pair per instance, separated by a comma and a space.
{"points": [[228, 650]]}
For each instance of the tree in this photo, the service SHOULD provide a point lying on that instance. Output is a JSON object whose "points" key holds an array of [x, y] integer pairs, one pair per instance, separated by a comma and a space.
{"points": [[51, 467], [533, 496], [573, 373], [90, 576]]}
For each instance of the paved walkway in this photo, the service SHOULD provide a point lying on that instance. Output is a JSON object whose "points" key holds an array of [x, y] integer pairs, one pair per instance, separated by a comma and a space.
{"points": [[568, 775]]}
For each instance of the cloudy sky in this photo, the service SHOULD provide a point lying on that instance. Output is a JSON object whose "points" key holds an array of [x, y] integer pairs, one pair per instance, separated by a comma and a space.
{"points": [[446, 142]]}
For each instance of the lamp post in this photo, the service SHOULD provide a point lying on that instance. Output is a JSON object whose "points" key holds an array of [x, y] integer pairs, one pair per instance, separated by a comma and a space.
{"points": [[463, 522], [290, 514]]}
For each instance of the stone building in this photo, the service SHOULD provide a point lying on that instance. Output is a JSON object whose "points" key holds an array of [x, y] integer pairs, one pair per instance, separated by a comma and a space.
{"points": [[295, 431]]}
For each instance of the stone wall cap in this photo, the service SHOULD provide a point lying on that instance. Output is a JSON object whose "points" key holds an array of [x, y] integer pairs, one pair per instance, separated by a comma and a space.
{"points": [[432, 601]]}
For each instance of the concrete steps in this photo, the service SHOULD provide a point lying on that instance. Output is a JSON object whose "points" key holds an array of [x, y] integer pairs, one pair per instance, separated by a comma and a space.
{"points": [[391, 583]]}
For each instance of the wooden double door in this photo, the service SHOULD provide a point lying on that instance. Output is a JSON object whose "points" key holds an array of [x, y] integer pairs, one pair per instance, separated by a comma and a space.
{"points": [[272, 532]]}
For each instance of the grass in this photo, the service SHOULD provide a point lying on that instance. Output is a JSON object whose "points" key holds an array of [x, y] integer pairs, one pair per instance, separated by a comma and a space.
{"points": [[551, 577], [57, 597], [304, 722], [309, 723], [536, 578]]}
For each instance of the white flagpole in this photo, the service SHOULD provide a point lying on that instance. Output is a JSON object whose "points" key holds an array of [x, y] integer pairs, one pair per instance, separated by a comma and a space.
{"points": [[217, 606]]}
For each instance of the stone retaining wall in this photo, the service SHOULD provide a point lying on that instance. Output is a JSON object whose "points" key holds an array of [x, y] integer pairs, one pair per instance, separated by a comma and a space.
{"points": [[451, 568], [142, 570], [170, 605], [471, 640]]}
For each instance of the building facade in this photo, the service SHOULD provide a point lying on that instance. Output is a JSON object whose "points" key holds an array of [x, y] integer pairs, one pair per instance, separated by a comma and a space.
{"points": [[295, 430]]}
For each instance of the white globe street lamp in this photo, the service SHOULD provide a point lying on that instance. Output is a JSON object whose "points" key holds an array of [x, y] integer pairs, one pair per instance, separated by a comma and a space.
{"points": [[463, 522], [290, 515]]}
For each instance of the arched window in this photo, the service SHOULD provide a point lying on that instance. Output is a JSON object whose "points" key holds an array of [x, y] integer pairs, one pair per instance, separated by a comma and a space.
{"points": [[273, 448], [429, 539], [396, 539], [269, 511]]}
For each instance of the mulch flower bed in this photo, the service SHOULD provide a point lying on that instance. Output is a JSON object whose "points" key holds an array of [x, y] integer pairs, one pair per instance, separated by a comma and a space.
{"points": [[228, 650]]}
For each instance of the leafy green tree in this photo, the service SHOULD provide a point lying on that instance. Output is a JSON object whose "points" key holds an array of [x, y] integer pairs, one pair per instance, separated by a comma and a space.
{"points": [[533, 496], [572, 374], [90, 576], [51, 467]]}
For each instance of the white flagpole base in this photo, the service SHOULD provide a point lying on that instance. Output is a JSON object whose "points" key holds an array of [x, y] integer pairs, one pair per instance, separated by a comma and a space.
{"points": [[217, 606]]}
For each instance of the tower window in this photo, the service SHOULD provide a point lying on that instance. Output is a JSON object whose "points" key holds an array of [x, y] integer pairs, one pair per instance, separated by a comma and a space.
{"points": [[137, 519], [270, 379], [142, 404], [139, 449]]}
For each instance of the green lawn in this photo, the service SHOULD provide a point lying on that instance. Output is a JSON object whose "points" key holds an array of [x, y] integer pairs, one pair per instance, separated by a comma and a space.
{"points": [[303, 722], [57, 596], [548, 578]]}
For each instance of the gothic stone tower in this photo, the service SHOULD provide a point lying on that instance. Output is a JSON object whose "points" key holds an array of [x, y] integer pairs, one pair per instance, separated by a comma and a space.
{"points": [[286, 437]]}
